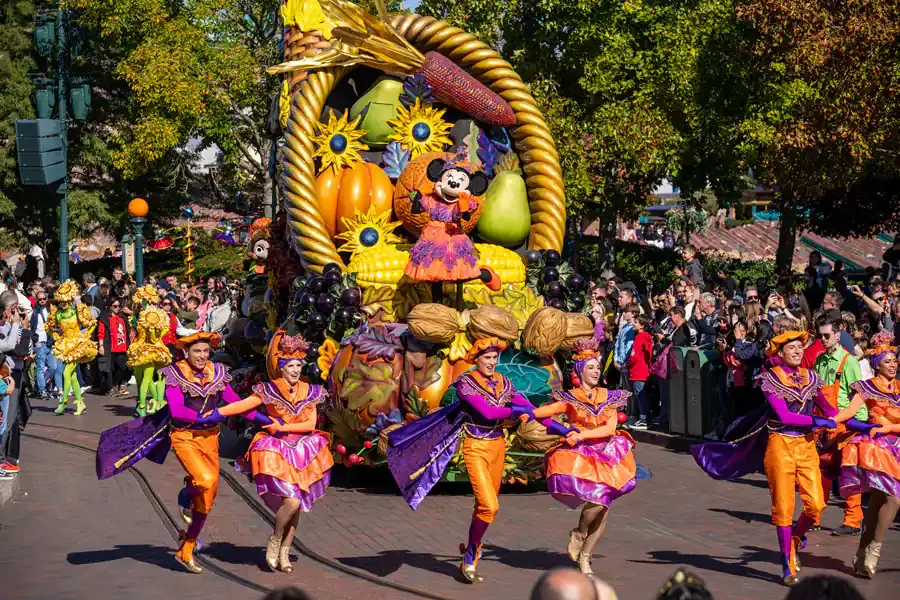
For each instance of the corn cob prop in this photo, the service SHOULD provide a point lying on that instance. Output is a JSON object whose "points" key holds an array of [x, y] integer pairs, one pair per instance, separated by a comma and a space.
{"points": [[373, 42], [306, 34]]}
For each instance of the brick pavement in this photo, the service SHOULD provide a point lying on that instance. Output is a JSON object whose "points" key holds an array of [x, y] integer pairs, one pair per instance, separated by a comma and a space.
{"points": [[678, 518]]}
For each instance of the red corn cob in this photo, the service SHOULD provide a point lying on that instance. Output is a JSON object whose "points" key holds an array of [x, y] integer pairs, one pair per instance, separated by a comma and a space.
{"points": [[454, 87]]}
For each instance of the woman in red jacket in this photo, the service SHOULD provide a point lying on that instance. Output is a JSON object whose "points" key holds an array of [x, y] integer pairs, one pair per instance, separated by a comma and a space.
{"points": [[639, 368]]}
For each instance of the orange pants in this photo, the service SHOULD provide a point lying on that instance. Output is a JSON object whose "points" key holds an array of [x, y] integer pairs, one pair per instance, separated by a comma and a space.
{"points": [[484, 462], [198, 452], [853, 512], [793, 461]]}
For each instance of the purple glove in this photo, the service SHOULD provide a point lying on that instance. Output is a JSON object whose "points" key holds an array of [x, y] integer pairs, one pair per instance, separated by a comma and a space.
{"points": [[521, 409], [823, 422], [260, 418], [557, 428], [859, 426], [213, 418]]}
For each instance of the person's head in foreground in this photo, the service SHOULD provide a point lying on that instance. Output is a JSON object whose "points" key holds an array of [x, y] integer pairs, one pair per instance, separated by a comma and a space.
{"points": [[684, 585], [570, 584], [824, 587]]}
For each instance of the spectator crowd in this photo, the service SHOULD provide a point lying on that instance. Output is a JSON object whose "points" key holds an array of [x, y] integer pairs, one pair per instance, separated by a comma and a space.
{"points": [[733, 321]]}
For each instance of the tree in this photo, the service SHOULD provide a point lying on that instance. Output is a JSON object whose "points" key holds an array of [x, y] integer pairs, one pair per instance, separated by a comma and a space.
{"points": [[820, 119], [194, 69]]}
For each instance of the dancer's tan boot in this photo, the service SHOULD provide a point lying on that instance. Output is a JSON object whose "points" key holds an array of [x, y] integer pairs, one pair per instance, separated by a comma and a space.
{"points": [[284, 559], [576, 542], [273, 547], [867, 560], [584, 564]]}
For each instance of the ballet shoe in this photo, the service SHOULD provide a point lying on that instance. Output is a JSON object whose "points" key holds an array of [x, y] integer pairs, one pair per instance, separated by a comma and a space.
{"points": [[185, 556], [470, 573]]}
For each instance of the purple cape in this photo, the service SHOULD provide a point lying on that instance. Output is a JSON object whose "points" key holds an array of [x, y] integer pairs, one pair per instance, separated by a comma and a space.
{"points": [[418, 453], [742, 452], [126, 444]]}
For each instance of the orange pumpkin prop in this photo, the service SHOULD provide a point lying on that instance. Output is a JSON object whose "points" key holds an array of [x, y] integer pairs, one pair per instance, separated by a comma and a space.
{"points": [[355, 188], [413, 178]]}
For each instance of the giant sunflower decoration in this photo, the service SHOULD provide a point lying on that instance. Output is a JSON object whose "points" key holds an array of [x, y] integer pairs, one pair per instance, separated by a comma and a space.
{"points": [[339, 143], [145, 293], [368, 231], [420, 129]]}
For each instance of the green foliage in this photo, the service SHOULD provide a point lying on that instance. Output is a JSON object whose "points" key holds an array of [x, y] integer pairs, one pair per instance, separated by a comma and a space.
{"points": [[192, 69], [687, 221]]}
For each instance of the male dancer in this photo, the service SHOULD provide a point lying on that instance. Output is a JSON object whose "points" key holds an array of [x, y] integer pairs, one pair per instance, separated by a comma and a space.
{"points": [[790, 460], [194, 388]]}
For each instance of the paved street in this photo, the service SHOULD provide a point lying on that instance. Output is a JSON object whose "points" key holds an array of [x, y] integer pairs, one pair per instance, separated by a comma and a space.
{"points": [[66, 534]]}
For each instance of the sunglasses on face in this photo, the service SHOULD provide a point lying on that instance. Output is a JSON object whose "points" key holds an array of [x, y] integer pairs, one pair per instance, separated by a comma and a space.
{"points": [[752, 297], [41, 299], [114, 306]]}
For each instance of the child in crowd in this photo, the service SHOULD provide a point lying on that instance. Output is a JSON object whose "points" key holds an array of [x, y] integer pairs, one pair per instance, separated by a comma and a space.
{"points": [[639, 368], [190, 315]]}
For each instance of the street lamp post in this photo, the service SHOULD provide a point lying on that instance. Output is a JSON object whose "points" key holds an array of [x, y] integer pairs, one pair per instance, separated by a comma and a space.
{"points": [[138, 209]]}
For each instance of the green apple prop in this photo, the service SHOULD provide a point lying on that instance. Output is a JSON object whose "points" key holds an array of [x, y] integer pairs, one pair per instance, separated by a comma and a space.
{"points": [[506, 219], [383, 98]]}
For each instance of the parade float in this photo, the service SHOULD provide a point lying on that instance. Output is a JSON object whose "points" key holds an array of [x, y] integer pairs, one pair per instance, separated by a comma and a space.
{"points": [[423, 210]]}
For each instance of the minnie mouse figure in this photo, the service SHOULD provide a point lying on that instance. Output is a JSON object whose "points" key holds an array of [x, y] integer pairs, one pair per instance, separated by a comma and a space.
{"points": [[443, 251]]}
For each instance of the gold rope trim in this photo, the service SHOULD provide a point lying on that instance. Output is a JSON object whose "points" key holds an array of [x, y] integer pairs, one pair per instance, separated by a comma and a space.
{"points": [[124, 460]]}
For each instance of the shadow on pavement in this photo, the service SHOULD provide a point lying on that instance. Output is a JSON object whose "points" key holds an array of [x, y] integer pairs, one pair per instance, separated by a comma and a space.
{"points": [[535, 560], [389, 561], [742, 515], [738, 567], [228, 553], [160, 556]]}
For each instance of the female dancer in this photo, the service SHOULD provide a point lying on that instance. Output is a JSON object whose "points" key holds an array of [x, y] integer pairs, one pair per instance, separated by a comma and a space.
{"points": [[291, 460], [72, 331], [871, 463], [419, 452], [789, 452], [194, 386], [147, 353], [593, 466]]}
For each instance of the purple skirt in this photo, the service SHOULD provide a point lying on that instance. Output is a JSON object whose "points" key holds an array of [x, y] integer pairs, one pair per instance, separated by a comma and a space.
{"points": [[868, 464], [598, 473], [289, 466]]}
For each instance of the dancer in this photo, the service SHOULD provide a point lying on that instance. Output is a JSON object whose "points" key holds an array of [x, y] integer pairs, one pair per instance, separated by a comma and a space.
{"points": [[194, 387], [593, 466], [419, 452], [871, 463], [147, 354], [788, 453], [71, 329], [290, 460]]}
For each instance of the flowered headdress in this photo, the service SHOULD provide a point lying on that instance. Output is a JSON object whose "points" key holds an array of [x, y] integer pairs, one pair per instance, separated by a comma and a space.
{"points": [[882, 344], [146, 293], [66, 292], [483, 345], [779, 341], [586, 350], [291, 347], [213, 339]]}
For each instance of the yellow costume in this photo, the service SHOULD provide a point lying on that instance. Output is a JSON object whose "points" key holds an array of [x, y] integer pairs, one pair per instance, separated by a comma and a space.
{"points": [[147, 353], [71, 330]]}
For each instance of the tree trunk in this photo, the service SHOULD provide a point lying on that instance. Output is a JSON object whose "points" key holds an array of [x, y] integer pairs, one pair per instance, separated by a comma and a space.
{"points": [[607, 239], [787, 234]]}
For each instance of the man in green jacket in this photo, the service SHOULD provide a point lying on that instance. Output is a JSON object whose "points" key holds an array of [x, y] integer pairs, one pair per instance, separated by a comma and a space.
{"points": [[839, 370]]}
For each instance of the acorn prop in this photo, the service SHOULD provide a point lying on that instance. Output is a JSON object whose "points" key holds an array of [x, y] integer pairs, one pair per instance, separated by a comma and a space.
{"points": [[373, 42]]}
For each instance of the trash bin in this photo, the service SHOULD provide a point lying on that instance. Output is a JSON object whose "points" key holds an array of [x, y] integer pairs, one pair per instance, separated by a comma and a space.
{"points": [[701, 390], [677, 396]]}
